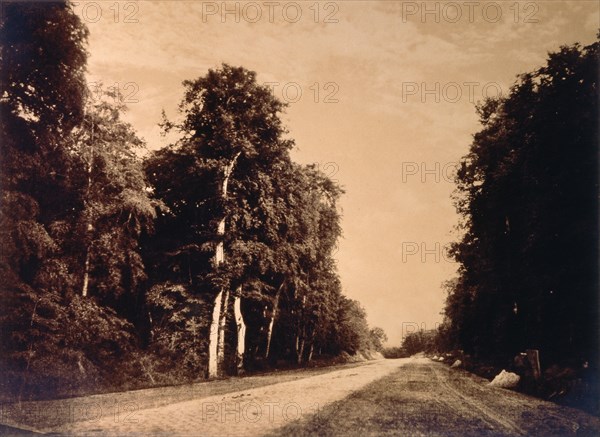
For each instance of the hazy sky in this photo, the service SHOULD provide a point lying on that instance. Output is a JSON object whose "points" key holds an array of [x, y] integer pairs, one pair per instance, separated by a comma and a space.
{"points": [[381, 96]]}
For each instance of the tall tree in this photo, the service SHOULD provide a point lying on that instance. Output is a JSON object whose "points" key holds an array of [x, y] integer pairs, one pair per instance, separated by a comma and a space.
{"points": [[42, 90], [114, 207], [232, 141], [378, 338], [304, 271], [527, 192]]}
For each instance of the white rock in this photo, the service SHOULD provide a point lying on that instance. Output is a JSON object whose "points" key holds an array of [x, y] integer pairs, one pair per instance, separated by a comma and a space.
{"points": [[505, 380], [457, 363]]}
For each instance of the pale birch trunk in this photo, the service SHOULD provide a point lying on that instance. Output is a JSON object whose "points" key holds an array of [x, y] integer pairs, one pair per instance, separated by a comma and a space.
{"points": [[86, 272], [220, 358], [89, 227], [213, 338], [299, 349], [310, 353], [241, 331], [216, 339], [312, 345]]}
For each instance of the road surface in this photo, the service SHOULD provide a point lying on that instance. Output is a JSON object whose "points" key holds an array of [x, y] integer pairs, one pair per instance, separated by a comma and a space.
{"points": [[393, 397]]}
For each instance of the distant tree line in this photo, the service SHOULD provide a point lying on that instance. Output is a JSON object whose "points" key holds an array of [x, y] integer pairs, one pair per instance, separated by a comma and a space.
{"points": [[212, 256], [414, 342], [528, 197]]}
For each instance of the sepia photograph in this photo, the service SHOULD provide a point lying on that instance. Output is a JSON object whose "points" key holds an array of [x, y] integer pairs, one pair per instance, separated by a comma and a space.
{"points": [[299, 218]]}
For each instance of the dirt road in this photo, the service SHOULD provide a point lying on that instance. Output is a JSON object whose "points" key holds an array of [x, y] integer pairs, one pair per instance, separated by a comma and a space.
{"points": [[388, 397], [426, 398]]}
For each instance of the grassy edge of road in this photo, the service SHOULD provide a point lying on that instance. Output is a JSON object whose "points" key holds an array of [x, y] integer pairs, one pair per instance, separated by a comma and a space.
{"points": [[45, 414], [397, 405]]}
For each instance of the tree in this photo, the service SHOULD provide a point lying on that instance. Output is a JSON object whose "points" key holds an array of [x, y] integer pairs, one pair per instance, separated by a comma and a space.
{"points": [[42, 91], [232, 140], [352, 330], [74, 207], [312, 227], [420, 341], [114, 209], [527, 192], [247, 229], [378, 338]]}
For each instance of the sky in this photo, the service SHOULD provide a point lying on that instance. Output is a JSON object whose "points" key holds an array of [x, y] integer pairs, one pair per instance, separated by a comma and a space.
{"points": [[381, 96]]}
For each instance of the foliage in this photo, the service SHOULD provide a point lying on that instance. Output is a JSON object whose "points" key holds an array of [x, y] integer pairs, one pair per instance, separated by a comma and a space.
{"points": [[378, 338], [178, 327], [351, 330], [42, 88], [114, 210], [92, 297], [420, 341], [281, 219], [64, 190], [527, 192]]}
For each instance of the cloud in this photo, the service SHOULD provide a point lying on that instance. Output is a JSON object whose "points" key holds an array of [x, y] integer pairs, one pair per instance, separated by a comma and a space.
{"points": [[370, 51]]}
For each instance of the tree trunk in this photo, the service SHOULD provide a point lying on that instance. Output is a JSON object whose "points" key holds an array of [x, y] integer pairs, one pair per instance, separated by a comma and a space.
{"points": [[533, 355], [86, 272], [220, 250], [216, 339], [89, 227], [299, 349], [221, 334], [311, 342], [241, 332], [310, 353], [272, 322], [213, 338], [301, 333]]}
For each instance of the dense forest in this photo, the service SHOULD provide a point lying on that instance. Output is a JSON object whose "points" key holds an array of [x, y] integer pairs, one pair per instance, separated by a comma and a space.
{"points": [[211, 256], [527, 193]]}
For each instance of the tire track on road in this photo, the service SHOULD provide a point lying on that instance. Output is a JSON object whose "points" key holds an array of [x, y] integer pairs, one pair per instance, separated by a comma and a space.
{"points": [[487, 415]]}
